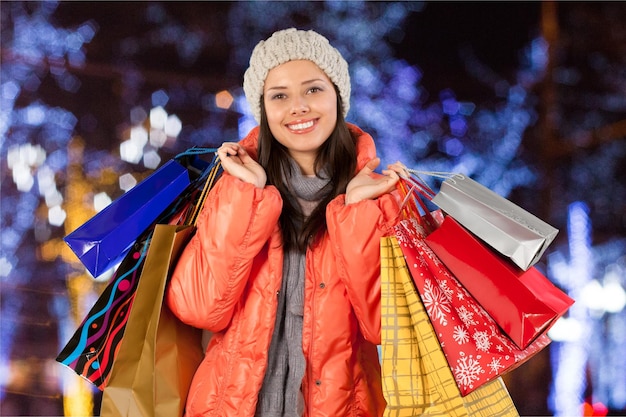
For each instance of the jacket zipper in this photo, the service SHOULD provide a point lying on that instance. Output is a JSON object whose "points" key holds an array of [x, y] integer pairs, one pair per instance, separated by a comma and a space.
{"points": [[311, 381]]}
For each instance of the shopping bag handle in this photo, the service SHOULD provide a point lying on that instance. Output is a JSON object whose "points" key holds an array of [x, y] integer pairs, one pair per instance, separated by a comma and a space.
{"points": [[444, 175], [413, 205], [212, 175], [196, 150]]}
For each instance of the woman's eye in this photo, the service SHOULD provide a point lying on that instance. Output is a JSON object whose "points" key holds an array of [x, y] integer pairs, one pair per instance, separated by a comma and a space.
{"points": [[314, 89], [278, 96]]}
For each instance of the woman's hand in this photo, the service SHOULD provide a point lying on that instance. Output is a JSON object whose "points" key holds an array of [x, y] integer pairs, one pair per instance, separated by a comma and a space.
{"points": [[238, 163], [367, 184]]}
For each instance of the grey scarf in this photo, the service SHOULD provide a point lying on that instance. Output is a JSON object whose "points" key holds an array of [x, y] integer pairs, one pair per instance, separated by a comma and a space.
{"points": [[281, 394]]}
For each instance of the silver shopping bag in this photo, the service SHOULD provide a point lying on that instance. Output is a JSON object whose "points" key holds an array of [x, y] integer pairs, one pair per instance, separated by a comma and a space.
{"points": [[508, 228]]}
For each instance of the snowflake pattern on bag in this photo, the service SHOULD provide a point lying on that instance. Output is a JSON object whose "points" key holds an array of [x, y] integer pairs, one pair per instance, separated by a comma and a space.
{"points": [[476, 348]]}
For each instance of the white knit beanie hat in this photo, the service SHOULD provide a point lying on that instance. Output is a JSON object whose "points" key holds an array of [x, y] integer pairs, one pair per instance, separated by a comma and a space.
{"points": [[288, 45]]}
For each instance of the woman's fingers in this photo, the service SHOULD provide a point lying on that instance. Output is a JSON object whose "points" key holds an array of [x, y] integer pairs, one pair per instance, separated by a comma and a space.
{"points": [[229, 149], [368, 184], [392, 174], [400, 169], [237, 162]]}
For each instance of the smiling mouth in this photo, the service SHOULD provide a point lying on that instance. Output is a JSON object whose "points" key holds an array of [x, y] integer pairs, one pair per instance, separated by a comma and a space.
{"points": [[301, 126]]}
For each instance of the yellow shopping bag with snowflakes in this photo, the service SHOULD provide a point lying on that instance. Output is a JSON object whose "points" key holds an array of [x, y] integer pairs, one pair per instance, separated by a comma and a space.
{"points": [[417, 380]]}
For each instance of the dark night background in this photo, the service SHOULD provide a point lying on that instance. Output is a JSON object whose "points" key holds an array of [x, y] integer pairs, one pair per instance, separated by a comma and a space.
{"points": [[540, 93]]}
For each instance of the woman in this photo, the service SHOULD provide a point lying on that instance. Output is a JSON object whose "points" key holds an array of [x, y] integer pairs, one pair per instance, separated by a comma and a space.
{"points": [[284, 267]]}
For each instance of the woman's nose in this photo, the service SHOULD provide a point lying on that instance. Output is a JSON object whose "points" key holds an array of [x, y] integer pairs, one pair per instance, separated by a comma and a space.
{"points": [[299, 106]]}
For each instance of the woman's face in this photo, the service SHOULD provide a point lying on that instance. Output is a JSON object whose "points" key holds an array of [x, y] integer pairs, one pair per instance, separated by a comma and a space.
{"points": [[301, 108]]}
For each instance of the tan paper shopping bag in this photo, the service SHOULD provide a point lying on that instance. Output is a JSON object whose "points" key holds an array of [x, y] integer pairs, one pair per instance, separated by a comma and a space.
{"points": [[159, 354]]}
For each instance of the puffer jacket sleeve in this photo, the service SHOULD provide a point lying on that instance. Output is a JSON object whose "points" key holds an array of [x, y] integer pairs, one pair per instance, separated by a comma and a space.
{"points": [[355, 232], [212, 271]]}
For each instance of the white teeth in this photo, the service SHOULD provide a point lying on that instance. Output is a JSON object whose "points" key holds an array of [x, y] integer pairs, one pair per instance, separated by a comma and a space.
{"points": [[301, 126]]}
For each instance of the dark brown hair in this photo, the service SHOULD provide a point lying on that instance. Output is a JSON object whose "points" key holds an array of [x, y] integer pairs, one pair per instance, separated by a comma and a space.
{"points": [[337, 157]]}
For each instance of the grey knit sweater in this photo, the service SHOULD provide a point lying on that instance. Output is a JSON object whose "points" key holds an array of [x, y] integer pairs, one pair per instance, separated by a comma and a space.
{"points": [[281, 394]]}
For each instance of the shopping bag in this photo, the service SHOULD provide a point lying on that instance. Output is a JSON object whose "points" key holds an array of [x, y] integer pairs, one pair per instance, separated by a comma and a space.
{"points": [[104, 239], [525, 304], [477, 350], [415, 374], [158, 354], [507, 227], [92, 349]]}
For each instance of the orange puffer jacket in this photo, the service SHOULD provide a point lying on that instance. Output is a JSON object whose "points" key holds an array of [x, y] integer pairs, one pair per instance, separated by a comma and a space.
{"points": [[227, 280]]}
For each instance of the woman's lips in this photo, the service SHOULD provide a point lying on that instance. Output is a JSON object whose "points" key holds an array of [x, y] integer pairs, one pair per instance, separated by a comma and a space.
{"points": [[301, 127]]}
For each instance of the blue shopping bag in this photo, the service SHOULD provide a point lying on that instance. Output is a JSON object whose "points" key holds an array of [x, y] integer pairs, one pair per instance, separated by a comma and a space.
{"points": [[104, 239]]}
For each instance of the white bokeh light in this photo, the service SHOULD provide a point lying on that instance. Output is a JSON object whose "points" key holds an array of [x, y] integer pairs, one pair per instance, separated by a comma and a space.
{"points": [[158, 117], [22, 177], [157, 138], [173, 126], [127, 181], [32, 155], [5, 267], [130, 152], [566, 330], [45, 180], [151, 159], [615, 300], [13, 156], [53, 197], [139, 136], [101, 201], [56, 216], [21, 159]]}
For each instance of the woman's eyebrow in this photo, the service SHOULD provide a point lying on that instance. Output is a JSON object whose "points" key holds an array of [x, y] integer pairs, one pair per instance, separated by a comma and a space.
{"points": [[280, 87], [313, 80]]}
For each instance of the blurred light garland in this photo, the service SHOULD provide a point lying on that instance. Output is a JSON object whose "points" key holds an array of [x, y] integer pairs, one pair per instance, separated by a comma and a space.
{"points": [[571, 356]]}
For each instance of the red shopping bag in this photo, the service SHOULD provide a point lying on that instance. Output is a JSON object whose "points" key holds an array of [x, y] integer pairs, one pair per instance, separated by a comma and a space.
{"points": [[525, 304], [476, 348]]}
